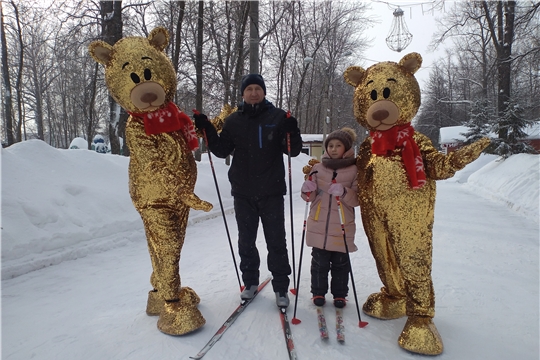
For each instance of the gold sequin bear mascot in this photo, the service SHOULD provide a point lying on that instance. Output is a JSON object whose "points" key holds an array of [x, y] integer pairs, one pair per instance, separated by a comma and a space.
{"points": [[162, 169], [397, 169]]}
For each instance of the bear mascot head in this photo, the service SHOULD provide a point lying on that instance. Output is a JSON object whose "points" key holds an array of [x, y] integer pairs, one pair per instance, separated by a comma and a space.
{"points": [[397, 169], [162, 168]]}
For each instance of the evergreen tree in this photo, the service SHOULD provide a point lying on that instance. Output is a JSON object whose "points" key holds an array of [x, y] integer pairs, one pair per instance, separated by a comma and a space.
{"points": [[513, 123], [478, 122]]}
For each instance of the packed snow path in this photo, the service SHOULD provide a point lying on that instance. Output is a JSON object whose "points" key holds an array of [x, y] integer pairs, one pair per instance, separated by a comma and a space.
{"points": [[485, 273]]}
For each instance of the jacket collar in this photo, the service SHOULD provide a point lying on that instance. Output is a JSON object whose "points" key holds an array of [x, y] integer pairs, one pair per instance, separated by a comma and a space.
{"points": [[254, 109], [334, 164]]}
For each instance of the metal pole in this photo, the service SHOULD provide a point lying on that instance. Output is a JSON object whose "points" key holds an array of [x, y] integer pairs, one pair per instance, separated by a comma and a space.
{"points": [[360, 322]]}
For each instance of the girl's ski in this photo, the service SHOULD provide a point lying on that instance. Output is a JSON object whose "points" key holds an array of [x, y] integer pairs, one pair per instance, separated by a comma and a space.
{"points": [[340, 329], [323, 331]]}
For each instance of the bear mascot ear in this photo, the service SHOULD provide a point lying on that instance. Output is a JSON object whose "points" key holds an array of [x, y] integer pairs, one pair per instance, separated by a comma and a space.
{"points": [[411, 62], [353, 75], [100, 51], [159, 38]]}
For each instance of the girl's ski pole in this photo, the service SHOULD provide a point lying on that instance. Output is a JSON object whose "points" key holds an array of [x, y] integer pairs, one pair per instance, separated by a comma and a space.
{"points": [[294, 319], [360, 322]]}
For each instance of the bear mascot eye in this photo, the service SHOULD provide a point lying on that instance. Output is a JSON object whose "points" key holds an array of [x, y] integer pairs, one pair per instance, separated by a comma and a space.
{"points": [[136, 79], [147, 74]]}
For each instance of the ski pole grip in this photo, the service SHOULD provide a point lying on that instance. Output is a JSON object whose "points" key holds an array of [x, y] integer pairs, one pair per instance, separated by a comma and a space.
{"points": [[196, 112], [310, 176]]}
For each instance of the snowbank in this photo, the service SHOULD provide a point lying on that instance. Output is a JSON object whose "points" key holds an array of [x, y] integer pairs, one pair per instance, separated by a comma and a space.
{"points": [[64, 204]]}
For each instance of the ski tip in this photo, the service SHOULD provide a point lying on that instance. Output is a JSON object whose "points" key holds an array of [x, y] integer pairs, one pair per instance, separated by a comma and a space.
{"points": [[293, 291], [242, 288], [296, 321], [362, 324]]}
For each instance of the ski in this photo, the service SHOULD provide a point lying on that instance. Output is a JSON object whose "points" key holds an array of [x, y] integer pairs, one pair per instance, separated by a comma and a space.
{"points": [[340, 329], [229, 322], [288, 333], [321, 320]]}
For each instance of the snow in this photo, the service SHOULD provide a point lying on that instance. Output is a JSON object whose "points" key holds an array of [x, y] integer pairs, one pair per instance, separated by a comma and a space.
{"points": [[451, 134], [78, 143], [312, 137], [75, 267], [533, 131]]}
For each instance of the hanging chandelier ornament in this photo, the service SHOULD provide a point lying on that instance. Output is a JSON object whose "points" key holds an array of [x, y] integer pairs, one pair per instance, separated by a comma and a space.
{"points": [[399, 36]]}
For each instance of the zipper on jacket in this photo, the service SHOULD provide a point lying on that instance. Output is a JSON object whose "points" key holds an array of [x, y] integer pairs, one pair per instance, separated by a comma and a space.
{"points": [[260, 136], [327, 221]]}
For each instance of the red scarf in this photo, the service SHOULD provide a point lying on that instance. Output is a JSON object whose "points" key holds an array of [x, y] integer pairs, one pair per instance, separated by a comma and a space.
{"points": [[169, 119], [401, 137]]}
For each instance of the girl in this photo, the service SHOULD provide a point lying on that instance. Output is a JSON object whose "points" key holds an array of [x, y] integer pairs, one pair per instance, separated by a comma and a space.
{"points": [[334, 177]]}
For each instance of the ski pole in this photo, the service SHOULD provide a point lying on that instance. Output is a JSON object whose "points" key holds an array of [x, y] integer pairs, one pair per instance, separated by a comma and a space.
{"points": [[196, 112], [360, 322], [294, 319], [293, 290]]}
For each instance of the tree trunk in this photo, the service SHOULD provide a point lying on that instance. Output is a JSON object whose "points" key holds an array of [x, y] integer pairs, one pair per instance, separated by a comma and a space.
{"points": [[199, 66], [177, 38], [111, 32], [503, 37], [254, 37], [18, 83], [39, 107], [7, 99]]}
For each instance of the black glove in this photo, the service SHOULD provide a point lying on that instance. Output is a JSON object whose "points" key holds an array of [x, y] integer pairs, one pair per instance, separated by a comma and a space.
{"points": [[289, 125], [201, 121]]}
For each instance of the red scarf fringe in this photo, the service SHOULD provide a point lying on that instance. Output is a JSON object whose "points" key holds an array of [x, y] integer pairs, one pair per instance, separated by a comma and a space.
{"points": [[401, 137], [170, 119]]}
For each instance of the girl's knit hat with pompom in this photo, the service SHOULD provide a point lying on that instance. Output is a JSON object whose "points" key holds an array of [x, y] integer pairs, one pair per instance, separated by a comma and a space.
{"points": [[346, 135]]}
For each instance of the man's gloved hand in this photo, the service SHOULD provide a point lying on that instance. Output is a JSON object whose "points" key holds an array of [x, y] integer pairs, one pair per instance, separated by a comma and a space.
{"points": [[201, 121], [336, 189], [309, 186], [289, 125]]}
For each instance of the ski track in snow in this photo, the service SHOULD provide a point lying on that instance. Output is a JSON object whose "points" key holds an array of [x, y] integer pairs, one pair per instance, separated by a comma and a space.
{"points": [[75, 311]]}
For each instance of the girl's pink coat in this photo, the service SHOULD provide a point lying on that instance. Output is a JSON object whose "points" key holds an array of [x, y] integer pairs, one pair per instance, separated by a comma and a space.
{"points": [[323, 231]]}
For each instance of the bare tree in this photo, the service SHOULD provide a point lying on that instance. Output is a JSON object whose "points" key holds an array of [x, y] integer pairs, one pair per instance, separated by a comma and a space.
{"points": [[228, 37], [254, 37], [498, 22], [19, 44], [6, 98], [111, 32]]}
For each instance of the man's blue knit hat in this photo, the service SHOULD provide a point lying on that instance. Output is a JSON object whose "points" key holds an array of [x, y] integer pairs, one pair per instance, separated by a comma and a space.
{"points": [[252, 79]]}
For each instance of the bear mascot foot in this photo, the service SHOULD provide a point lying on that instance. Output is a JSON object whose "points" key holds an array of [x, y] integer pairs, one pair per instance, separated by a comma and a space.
{"points": [[421, 336], [182, 316], [383, 306], [155, 302]]}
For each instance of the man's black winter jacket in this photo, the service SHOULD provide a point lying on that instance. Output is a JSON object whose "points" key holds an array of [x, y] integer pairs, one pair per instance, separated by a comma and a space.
{"points": [[254, 136]]}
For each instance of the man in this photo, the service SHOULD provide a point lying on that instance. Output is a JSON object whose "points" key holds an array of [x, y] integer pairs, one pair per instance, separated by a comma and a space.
{"points": [[256, 133]]}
